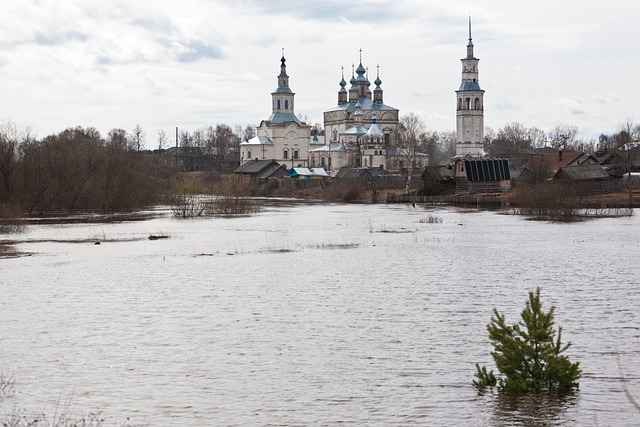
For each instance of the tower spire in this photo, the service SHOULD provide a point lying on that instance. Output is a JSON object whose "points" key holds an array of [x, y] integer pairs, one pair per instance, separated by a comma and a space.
{"points": [[470, 44]]}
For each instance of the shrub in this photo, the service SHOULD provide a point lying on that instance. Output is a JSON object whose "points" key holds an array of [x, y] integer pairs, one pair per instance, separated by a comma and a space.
{"points": [[528, 354]]}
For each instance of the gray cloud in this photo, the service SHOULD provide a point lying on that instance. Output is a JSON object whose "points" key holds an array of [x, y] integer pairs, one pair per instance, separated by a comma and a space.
{"points": [[328, 9], [59, 38], [198, 50]]}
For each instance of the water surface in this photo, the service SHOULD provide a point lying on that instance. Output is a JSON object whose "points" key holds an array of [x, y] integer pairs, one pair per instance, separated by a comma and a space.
{"points": [[310, 314]]}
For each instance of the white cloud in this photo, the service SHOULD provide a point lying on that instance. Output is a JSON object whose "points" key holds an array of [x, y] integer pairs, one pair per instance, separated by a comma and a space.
{"points": [[196, 62]]}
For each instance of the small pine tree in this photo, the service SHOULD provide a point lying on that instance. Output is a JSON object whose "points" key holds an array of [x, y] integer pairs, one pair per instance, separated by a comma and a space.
{"points": [[528, 354]]}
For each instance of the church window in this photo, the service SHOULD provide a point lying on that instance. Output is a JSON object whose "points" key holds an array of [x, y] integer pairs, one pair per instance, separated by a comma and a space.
{"points": [[249, 154], [335, 135], [278, 104], [285, 154], [387, 138], [459, 103], [295, 154], [322, 161], [477, 104], [286, 104], [467, 103]]}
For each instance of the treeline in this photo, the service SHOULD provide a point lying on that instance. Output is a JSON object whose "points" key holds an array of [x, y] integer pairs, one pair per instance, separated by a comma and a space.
{"points": [[75, 170], [512, 139]]}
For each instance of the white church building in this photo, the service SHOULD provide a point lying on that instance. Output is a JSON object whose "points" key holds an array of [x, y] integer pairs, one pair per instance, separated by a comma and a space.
{"points": [[283, 137]]}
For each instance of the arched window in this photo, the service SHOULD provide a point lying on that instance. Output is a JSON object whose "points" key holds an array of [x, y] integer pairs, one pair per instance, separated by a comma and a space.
{"points": [[459, 103], [295, 154], [285, 154], [278, 104], [476, 103], [322, 161], [286, 104], [249, 154], [335, 135], [467, 103]]}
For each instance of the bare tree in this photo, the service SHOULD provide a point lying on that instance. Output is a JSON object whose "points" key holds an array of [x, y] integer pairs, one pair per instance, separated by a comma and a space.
{"points": [[138, 134], [162, 139], [248, 133]]}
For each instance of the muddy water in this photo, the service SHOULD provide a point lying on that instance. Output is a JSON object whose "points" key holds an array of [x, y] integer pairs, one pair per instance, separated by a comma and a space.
{"points": [[314, 315]]}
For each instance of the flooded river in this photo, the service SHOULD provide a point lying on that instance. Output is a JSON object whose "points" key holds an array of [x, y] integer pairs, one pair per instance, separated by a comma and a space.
{"points": [[309, 314]]}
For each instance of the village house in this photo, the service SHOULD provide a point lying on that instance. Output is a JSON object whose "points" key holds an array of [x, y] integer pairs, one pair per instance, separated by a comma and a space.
{"points": [[586, 179], [258, 171]]}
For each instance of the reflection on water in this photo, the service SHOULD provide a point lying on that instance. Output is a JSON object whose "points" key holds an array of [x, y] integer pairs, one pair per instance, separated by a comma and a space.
{"points": [[309, 314], [536, 409]]}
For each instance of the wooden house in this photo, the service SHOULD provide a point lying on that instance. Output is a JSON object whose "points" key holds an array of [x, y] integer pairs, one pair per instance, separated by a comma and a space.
{"points": [[587, 179], [258, 171]]}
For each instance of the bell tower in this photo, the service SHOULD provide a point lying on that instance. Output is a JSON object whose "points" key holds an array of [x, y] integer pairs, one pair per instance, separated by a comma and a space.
{"points": [[470, 107]]}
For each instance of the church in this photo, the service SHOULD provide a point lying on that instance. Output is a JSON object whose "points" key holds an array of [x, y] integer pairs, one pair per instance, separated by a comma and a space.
{"points": [[470, 111], [283, 137], [361, 129]]}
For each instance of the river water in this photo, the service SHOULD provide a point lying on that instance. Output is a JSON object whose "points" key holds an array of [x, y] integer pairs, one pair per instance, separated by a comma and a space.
{"points": [[309, 314]]}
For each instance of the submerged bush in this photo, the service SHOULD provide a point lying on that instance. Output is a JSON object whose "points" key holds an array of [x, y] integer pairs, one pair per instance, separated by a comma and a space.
{"points": [[529, 353]]}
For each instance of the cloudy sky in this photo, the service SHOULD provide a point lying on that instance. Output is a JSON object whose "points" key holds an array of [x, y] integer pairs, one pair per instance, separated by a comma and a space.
{"points": [[194, 63]]}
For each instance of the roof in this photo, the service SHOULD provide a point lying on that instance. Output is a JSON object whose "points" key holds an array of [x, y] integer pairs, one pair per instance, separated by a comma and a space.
{"points": [[355, 130], [470, 86], [332, 146], [487, 169], [353, 172], [319, 172], [365, 104], [554, 160], [258, 140], [437, 173], [308, 172], [283, 89], [581, 172], [374, 131], [402, 151], [256, 166], [281, 118]]}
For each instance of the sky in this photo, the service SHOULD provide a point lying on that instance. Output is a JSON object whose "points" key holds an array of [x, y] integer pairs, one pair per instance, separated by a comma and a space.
{"points": [[163, 64]]}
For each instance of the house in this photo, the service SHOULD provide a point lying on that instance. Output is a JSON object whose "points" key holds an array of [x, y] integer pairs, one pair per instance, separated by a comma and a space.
{"points": [[545, 165], [587, 179], [258, 171], [187, 159], [481, 175], [353, 175], [308, 174], [437, 180]]}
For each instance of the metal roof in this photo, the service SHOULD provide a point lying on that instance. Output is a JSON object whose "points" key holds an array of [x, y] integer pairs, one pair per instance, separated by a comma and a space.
{"points": [[333, 147], [487, 169], [469, 86], [365, 104], [355, 130], [258, 140], [374, 131], [283, 118]]}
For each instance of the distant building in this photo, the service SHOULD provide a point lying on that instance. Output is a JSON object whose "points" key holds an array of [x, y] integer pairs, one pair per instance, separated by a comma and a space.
{"points": [[283, 137], [470, 110], [359, 130]]}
